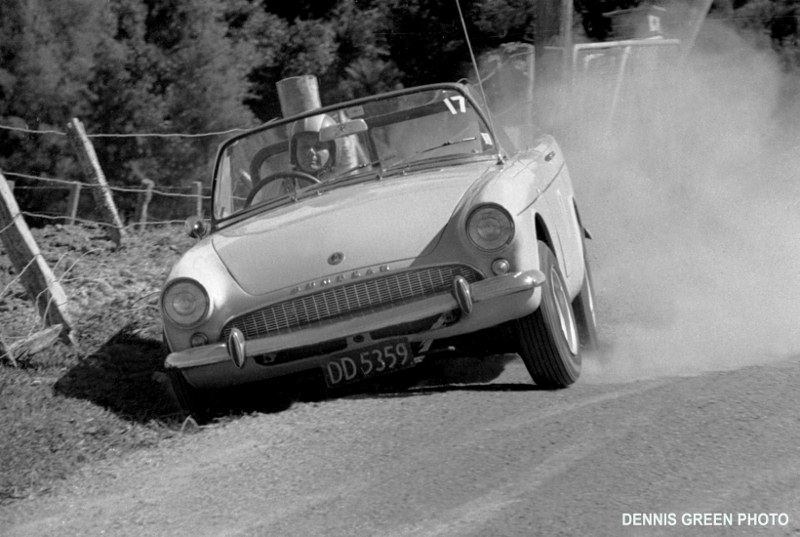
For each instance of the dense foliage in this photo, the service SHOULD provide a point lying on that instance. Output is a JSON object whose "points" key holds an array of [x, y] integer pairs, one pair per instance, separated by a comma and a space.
{"points": [[199, 66]]}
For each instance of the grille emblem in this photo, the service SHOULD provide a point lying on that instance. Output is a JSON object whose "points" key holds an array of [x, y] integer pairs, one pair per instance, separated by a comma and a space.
{"points": [[339, 278], [336, 258]]}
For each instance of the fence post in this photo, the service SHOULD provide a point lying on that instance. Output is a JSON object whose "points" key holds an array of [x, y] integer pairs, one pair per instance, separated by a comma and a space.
{"points": [[72, 203], [91, 167], [143, 202], [198, 193], [567, 10], [35, 273]]}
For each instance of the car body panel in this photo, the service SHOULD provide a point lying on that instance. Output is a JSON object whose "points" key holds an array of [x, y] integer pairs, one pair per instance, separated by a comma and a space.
{"points": [[346, 221], [503, 299]]}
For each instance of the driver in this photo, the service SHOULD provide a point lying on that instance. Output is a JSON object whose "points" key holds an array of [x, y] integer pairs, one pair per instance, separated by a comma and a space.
{"points": [[308, 153], [321, 159]]}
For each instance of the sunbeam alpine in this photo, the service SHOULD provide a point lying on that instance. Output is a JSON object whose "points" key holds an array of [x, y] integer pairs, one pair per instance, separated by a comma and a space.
{"points": [[354, 240]]}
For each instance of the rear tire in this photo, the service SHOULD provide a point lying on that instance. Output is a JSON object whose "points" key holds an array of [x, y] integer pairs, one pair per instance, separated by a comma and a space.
{"points": [[548, 339]]}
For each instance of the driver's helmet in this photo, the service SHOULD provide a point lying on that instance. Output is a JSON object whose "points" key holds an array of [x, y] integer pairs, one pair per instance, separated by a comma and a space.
{"points": [[308, 153]]}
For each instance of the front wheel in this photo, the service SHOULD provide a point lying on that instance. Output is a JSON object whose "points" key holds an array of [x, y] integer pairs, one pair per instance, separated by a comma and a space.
{"points": [[583, 306], [548, 338], [193, 402]]}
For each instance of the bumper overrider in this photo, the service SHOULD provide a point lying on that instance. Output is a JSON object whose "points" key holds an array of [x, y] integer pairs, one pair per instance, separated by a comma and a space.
{"points": [[482, 304]]}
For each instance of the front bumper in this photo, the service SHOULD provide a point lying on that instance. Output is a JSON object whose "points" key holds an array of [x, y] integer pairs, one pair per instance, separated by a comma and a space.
{"points": [[483, 304]]}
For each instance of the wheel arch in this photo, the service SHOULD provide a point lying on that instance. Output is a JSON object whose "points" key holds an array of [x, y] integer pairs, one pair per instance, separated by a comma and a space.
{"points": [[583, 230], [543, 233]]}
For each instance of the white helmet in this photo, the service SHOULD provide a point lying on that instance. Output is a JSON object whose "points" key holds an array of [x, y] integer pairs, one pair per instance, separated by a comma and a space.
{"points": [[310, 128]]}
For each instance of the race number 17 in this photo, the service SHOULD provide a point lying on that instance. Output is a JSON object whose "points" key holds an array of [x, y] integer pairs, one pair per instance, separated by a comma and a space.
{"points": [[456, 104]]}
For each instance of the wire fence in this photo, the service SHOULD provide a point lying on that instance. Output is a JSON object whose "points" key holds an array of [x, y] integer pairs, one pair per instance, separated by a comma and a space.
{"points": [[166, 204], [55, 296], [194, 200], [127, 135], [58, 199]]}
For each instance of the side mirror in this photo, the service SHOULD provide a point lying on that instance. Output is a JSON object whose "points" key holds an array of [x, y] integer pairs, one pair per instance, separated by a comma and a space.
{"points": [[196, 227]]}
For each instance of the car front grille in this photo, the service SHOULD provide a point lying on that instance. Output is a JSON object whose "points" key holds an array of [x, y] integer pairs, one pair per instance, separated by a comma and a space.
{"points": [[350, 300]]}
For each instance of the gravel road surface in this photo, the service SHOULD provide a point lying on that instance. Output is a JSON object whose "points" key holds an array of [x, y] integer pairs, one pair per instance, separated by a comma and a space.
{"points": [[712, 454]]}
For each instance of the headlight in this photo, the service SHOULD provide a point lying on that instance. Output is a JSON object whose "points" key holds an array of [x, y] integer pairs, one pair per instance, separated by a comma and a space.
{"points": [[185, 302], [490, 227]]}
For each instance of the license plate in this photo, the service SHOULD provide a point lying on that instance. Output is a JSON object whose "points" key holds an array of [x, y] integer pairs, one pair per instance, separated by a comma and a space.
{"points": [[367, 362]]}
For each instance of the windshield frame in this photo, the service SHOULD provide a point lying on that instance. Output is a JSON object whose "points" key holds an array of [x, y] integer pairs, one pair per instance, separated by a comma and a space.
{"points": [[499, 143]]}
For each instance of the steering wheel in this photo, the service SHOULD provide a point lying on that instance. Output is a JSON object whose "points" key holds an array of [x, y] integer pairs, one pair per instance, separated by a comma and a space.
{"points": [[294, 175]]}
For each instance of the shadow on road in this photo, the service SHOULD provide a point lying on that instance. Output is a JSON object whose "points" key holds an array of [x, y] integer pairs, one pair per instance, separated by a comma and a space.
{"points": [[121, 377], [449, 374], [125, 376]]}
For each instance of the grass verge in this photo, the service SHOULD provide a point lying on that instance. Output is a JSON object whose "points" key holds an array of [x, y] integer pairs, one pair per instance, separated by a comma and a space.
{"points": [[68, 406]]}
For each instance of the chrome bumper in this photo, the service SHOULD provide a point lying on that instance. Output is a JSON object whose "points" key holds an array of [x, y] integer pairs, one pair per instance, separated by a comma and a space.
{"points": [[464, 296]]}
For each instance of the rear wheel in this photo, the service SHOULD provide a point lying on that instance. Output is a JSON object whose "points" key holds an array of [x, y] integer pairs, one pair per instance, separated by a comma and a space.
{"points": [[548, 338]]}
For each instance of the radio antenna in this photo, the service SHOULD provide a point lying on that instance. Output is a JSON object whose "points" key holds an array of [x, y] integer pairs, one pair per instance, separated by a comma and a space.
{"points": [[477, 72]]}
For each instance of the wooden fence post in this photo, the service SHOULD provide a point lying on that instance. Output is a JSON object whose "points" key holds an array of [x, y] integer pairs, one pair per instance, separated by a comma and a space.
{"points": [[94, 173], [72, 203], [35, 273], [198, 193], [143, 202]]}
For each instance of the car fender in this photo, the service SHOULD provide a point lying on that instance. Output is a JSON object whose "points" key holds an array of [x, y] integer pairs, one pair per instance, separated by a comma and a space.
{"points": [[202, 265]]}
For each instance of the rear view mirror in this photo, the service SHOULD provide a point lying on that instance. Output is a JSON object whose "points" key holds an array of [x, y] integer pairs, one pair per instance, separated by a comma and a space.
{"points": [[340, 130]]}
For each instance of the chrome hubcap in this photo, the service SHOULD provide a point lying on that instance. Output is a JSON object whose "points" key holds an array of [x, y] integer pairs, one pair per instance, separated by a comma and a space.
{"points": [[566, 319], [590, 290]]}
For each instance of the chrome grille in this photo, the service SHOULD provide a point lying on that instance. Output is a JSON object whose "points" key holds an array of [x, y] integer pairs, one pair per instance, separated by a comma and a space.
{"points": [[350, 300]]}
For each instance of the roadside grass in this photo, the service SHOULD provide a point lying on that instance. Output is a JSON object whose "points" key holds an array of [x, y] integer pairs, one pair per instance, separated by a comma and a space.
{"points": [[72, 405], [46, 436]]}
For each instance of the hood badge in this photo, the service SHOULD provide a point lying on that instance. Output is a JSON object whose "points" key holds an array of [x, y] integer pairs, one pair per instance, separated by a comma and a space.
{"points": [[336, 258], [339, 278]]}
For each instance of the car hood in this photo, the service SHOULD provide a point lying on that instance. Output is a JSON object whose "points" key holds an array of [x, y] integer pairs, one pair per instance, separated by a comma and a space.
{"points": [[366, 224]]}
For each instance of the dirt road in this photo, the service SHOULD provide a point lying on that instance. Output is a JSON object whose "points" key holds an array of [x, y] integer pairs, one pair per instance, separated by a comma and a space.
{"points": [[456, 457]]}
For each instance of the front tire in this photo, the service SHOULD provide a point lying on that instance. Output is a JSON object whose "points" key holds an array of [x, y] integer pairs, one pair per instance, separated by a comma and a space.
{"points": [[548, 338], [192, 401], [583, 307]]}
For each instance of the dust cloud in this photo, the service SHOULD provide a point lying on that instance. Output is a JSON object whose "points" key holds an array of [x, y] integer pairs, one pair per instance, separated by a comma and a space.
{"points": [[693, 200]]}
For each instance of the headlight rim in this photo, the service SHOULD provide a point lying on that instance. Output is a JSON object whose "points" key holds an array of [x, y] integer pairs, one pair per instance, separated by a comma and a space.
{"points": [[502, 210], [206, 298]]}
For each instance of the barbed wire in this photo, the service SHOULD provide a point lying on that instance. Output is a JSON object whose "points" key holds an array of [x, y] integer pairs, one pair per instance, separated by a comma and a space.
{"points": [[130, 225], [129, 135], [127, 227], [133, 224], [132, 190], [10, 223], [71, 286]]}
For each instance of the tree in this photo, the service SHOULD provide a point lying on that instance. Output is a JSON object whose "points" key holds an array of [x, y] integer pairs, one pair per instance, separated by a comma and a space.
{"points": [[503, 21], [772, 23], [363, 66], [47, 48], [344, 47], [427, 42], [123, 67], [205, 89]]}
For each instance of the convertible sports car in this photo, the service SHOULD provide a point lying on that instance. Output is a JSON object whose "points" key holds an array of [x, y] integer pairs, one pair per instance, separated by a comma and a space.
{"points": [[354, 240]]}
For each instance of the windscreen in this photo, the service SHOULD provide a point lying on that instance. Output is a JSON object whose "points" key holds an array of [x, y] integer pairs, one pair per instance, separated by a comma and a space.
{"points": [[365, 138]]}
